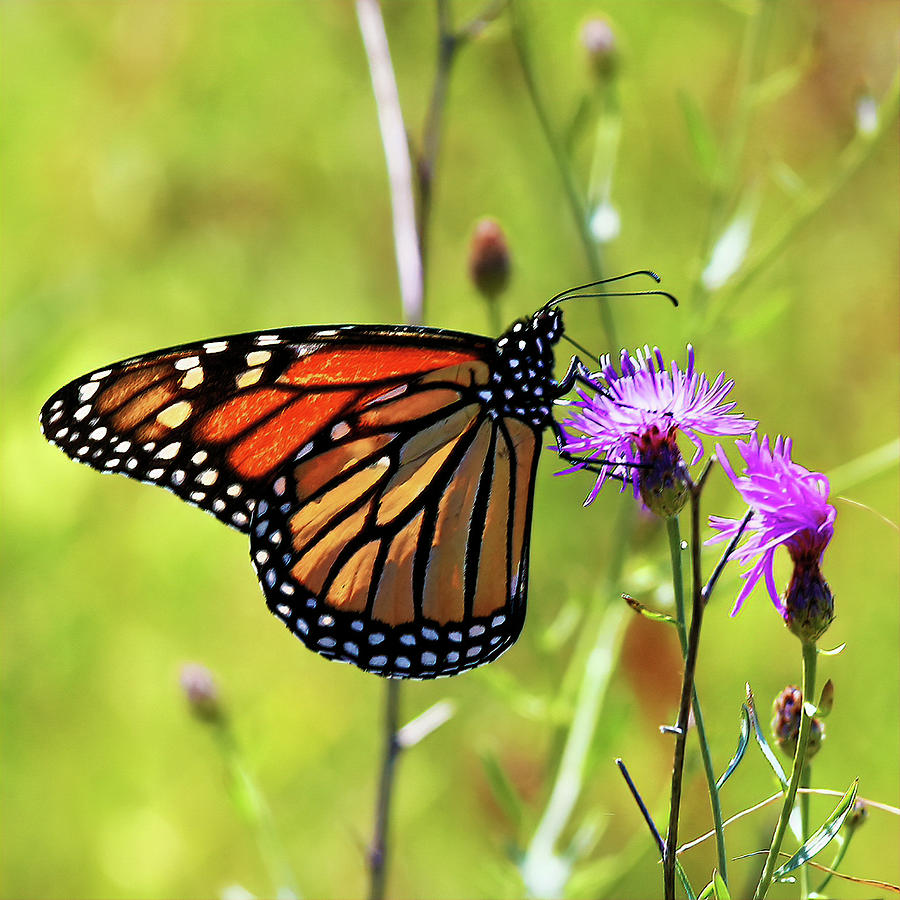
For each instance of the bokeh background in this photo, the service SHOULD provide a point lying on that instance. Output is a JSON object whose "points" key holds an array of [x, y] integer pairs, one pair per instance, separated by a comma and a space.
{"points": [[173, 171]]}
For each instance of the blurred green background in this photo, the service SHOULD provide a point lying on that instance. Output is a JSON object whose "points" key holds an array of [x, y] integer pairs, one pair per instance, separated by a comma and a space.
{"points": [[173, 171]]}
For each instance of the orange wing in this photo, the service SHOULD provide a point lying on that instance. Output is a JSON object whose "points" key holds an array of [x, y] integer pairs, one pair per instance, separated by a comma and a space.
{"points": [[398, 541], [385, 475], [211, 421]]}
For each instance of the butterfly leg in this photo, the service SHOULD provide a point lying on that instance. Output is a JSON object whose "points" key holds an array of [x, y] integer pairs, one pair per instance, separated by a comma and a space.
{"points": [[576, 373]]}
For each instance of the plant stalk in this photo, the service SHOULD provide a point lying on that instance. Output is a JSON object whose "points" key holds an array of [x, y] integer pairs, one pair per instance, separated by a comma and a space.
{"points": [[687, 696], [674, 532], [808, 690], [560, 157], [378, 853]]}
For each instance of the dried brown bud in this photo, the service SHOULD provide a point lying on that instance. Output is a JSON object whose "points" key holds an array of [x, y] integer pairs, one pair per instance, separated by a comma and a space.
{"points": [[489, 263], [599, 41], [786, 723]]}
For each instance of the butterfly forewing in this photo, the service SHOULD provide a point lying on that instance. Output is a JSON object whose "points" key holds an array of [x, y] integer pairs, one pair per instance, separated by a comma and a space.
{"points": [[212, 420]]}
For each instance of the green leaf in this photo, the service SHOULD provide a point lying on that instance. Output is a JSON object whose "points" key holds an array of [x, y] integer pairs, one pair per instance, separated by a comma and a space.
{"points": [[833, 652], [743, 741], [722, 892], [505, 793], [682, 876], [701, 135], [761, 740], [823, 836], [639, 608], [826, 699], [716, 889]]}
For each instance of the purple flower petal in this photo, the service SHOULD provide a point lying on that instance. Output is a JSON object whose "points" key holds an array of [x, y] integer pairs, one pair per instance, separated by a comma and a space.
{"points": [[790, 509], [644, 397]]}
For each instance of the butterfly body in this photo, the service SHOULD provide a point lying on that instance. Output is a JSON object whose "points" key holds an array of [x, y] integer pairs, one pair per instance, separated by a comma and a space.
{"points": [[385, 476]]}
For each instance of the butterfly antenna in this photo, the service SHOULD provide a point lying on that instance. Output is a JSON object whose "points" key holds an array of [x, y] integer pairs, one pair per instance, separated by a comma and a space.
{"points": [[603, 294], [593, 284]]}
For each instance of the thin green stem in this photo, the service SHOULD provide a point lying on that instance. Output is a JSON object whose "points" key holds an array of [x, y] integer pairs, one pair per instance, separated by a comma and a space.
{"points": [[447, 45], [563, 163], [622, 530], [808, 690], [253, 808], [604, 630], [805, 782], [673, 529], [851, 159], [675, 551], [714, 801], [569, 780], [687, 695], [748, 69], [449, 42]]}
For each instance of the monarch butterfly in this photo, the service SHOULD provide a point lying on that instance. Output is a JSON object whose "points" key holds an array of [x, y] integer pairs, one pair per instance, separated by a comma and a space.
{"points": [[385, 475]]}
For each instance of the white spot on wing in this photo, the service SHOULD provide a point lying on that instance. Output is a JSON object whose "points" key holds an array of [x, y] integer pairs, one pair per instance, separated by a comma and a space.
{"points": [[258, 357], [86, 391], [192, 378], [170, 451], [189, 362], [248, 378]]}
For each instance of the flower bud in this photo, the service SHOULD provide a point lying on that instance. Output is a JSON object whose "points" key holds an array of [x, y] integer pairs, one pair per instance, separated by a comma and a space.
{"points": [[857, 815], [786, 724], [808, 601], [599, 42], [489, 263], [663, 482], [201, 691]]}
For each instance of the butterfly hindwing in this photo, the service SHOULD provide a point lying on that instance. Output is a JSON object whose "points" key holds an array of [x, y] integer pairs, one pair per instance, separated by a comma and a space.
{"points": [[402, 546]]}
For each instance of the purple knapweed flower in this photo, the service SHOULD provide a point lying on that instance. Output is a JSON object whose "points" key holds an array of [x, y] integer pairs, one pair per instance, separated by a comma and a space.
{"points": [[790, 509], [632, 422]]}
